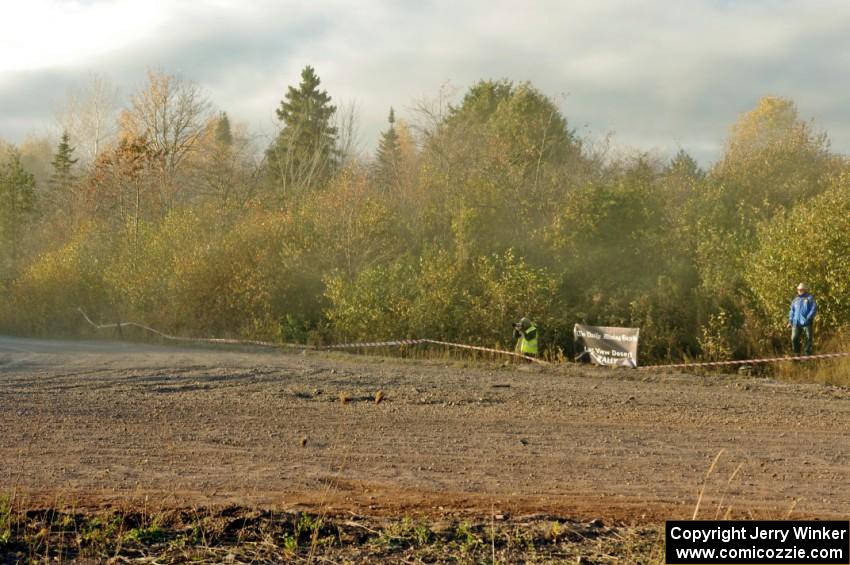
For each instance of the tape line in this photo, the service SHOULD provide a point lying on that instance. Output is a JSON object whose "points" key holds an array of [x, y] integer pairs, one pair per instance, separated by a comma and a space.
{"points": [[398, 342], [748, 361], [361, 345], [193, 339]]}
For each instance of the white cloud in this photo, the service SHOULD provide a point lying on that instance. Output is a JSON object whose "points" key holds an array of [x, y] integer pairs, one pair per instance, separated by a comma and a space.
{"points": [[41, 34], [658, 74]]}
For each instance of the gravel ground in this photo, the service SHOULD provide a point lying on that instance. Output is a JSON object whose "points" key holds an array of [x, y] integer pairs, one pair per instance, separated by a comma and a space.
{"points": [[105, 424]]}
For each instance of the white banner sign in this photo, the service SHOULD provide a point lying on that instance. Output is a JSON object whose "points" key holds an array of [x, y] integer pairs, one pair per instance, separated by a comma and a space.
{"points": [[613, 347]]}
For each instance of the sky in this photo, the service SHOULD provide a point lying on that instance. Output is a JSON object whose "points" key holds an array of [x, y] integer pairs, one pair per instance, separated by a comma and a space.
{"points": [[655, 75]]}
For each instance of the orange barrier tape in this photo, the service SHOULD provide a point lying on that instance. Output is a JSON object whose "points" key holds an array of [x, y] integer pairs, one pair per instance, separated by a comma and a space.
{"points": [[374, 344], [434, 341], [449, 344], [297, 346], [476, 348], [195, 339], [748, 361]]}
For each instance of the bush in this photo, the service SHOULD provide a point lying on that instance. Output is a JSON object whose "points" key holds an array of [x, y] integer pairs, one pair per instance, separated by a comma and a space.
{"points": [[377, 305], [807, 244], [222, 283], [46, 296], [436, 297]]}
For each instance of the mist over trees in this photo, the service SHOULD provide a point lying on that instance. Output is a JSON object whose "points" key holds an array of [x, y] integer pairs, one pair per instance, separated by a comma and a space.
{"points": [[464, 220]]}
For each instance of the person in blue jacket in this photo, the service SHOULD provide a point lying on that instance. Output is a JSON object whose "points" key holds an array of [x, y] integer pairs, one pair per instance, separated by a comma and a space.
{"points": [[800, 318]]}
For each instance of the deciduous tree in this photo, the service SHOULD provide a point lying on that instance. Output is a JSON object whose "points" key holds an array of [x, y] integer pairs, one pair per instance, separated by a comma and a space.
{"points": [[89, 116], [224, 164], [170, 114]]}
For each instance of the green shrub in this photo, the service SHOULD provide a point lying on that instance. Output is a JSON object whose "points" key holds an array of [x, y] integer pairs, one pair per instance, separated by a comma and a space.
{"points": [[807, 244], [436, 297], [46, 296]]}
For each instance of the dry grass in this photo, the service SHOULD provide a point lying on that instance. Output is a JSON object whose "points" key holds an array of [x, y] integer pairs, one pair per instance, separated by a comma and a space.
{"points": [[243, 535], [828, 371], [832, 372], [705, 483]]}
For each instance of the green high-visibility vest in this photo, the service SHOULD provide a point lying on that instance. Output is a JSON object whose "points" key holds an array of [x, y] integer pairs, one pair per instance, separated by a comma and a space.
{"points": [[529, 346]]}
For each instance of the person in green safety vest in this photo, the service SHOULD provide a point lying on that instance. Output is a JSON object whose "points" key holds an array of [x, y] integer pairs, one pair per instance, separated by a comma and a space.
{"points": [[525, 332]]}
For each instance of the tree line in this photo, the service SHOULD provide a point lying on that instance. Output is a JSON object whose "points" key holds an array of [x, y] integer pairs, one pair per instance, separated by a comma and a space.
{"points": [[467, 217]]}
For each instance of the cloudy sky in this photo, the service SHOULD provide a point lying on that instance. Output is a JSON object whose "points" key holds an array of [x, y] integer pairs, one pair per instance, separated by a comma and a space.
{"points": [[658, 75]]}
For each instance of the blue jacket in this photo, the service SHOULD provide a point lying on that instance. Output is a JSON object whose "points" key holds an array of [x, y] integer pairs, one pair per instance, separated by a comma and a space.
{"points": [[803, 310]]}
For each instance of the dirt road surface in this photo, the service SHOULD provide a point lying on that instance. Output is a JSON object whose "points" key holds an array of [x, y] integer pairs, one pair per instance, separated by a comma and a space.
{"points": [[109, 423]]}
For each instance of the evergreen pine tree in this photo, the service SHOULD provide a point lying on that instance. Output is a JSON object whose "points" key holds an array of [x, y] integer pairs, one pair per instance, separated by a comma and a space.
{"points": [[62, 177], [388, 158], [17, 203], [679, 183], [304, 155], [220, 174], [223, 135], [683, 165]]}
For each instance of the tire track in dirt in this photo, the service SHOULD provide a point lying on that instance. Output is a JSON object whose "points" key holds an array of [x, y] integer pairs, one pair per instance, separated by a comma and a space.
{"points": [[183, 425]]}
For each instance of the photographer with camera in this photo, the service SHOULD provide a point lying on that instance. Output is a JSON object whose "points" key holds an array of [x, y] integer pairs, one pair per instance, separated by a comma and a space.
{"points": [[525, 332]]}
